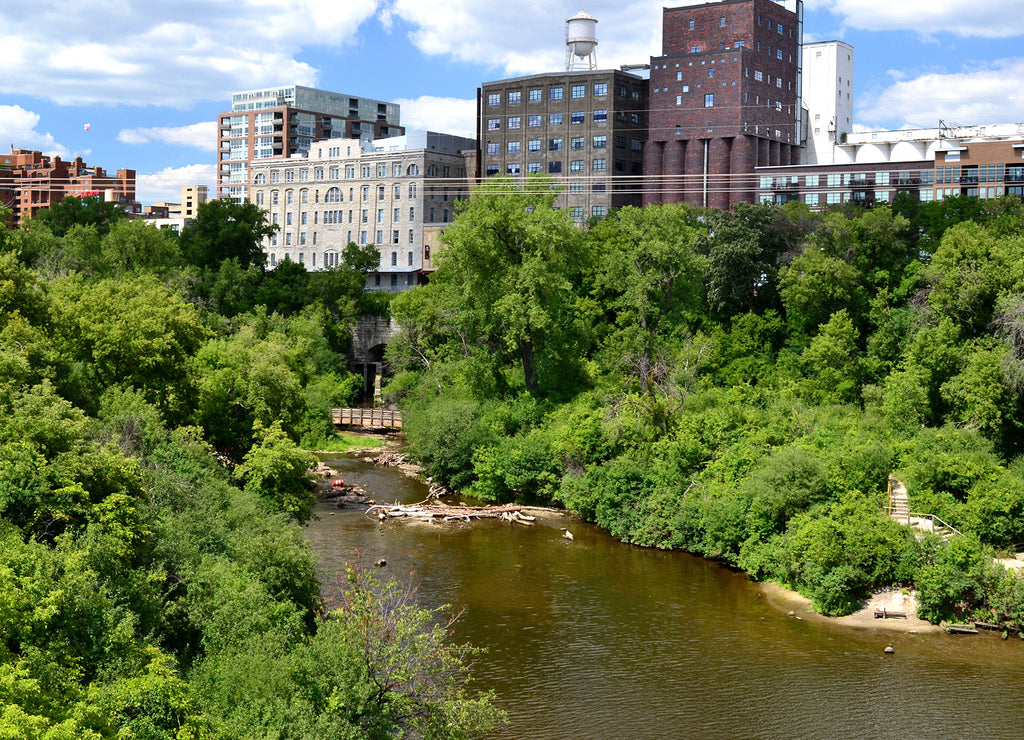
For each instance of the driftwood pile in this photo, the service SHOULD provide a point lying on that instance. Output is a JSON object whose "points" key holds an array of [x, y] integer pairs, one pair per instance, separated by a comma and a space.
{"points": [[431, 512], [387, 459]]}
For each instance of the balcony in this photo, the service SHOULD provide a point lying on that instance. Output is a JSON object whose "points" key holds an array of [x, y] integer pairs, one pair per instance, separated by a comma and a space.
{"points": [[906, 181]]}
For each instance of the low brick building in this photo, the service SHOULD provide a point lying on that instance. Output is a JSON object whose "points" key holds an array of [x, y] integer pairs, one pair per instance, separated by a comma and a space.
{"points": [[31, 181]]}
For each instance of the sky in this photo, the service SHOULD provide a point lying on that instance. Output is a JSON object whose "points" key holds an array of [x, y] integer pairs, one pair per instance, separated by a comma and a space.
{"points": [[139, 83]]}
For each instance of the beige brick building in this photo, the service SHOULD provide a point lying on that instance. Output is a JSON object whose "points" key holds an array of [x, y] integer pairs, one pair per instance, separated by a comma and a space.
{"points": [[388, 193]]}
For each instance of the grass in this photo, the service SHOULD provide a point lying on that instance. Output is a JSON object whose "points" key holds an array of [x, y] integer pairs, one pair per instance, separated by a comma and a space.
{"points": [[346, 441]]}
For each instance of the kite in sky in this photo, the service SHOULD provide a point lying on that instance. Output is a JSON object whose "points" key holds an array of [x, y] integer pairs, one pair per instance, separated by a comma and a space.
{"points": [[87, 126]]}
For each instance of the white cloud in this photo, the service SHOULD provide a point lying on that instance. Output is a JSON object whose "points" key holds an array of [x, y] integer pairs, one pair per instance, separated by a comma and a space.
{"points": [[988, 19], [989, 95], [529, 36], [166, 185], [445, 115], [200, 135], [18, 128], [166, 53]]}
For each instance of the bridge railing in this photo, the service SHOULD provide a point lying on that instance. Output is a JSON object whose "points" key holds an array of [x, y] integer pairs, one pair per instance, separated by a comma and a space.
{"points": [[372, 418]]}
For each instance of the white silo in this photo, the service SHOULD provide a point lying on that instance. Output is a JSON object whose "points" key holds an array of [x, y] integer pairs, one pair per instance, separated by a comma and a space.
{"points": [[581, 42]]}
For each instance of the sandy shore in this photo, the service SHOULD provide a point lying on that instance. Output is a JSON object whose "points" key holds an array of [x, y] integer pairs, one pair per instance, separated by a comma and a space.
{"points": [[894, 601]]}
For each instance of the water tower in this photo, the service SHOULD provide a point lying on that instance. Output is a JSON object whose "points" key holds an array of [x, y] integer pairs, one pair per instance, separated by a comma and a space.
{"points": [[581, 42]]}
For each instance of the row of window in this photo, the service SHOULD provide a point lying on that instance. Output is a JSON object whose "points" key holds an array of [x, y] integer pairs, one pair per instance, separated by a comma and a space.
{"points": [[554, 119], [576, 143], [555, 168], [332, 258], [365, 172], [534, 95], [335, 195]]}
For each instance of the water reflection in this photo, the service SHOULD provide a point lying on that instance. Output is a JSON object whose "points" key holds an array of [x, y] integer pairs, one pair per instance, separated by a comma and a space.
{"points": [[596, 639]]}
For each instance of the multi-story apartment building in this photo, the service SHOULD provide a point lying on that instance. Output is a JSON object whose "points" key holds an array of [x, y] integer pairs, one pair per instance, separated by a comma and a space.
{"points": [[725, 98], [280, 122], [584, 128], [828, 98], [192, 196], [32, 181], [931, 164], [396, 194]]}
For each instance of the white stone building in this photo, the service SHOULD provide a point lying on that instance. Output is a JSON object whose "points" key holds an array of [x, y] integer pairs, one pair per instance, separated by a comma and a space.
{"points": [[385, 193]]}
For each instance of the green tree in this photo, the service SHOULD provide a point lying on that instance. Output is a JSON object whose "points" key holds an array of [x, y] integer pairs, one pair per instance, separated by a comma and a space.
{"points": [[514, 265], [72, 211], [224, 230], [277, 469], [651, 279]]}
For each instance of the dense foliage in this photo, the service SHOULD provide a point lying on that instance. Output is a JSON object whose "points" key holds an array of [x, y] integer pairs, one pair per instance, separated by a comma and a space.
{"points": [[154, 407], [738, 384]]}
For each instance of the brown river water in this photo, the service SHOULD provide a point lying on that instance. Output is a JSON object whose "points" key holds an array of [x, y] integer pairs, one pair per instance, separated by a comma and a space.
{"points": [[594, 639]]}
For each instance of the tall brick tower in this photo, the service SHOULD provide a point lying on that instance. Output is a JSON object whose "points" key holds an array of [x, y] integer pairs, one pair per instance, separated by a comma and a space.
{"points": [[724, 98]]}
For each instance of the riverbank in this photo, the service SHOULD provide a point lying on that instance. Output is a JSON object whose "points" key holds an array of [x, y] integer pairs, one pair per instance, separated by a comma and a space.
{"points": [[787, 601]]}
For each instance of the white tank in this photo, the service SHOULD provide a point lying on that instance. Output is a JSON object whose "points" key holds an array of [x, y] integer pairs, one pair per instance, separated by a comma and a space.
{"points": [[581, 35]]}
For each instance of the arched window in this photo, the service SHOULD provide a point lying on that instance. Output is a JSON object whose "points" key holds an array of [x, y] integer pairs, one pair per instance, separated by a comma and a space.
{"points": [[432, 170], [412, 170], [273, 197], [260, 179], [333, 196], [259, 198]]}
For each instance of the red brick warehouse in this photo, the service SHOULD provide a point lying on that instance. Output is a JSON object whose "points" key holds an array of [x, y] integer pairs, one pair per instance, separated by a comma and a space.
{"points": [[724, 99]]}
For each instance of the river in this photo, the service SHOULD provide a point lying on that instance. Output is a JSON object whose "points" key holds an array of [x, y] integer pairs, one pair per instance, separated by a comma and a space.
{"points": [[594, 639]]}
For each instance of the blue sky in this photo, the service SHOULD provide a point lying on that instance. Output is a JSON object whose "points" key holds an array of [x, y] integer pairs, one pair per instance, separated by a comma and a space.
{"points": [[150, 76]]}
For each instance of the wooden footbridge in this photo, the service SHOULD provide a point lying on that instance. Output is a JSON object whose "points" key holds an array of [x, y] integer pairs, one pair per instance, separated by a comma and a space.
{"points": [[367, 418]]}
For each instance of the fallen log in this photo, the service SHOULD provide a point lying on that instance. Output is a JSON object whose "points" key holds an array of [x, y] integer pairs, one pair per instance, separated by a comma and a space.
{"points": [[447, 513]]}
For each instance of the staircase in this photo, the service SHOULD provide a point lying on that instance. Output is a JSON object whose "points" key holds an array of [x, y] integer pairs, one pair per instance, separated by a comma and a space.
{"points": [[899, 503], [899, 509]]}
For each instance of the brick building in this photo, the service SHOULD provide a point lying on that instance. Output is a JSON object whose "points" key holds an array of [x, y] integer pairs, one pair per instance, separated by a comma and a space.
{"points": [[584, 128], [397, 194], [278, 123], [725, 98], [31, 181]]}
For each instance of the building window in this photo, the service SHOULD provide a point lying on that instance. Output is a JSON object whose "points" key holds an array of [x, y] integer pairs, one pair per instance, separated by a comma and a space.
{"points": [[599, 211], [534, 121], [535, 95], [394, 259], [533, 145], [695, 50], [620, 142], [494, 99], [514, 98], [492, 170], [600, 165], [579, 91], [692, 25], [600, 142], [576, 142], [493, 124], [721, 21], [577, 117], [576, 212], [514, 122], [555, 93], [600, 116], [492, 147], [555, 145], [512, 168], [711, 71], [811, 181], [576, 165], [600, 89], [709, 100], [533, 168], [778, 53], [554, 167], [555, 119], [513, 147], [575, 187]]}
